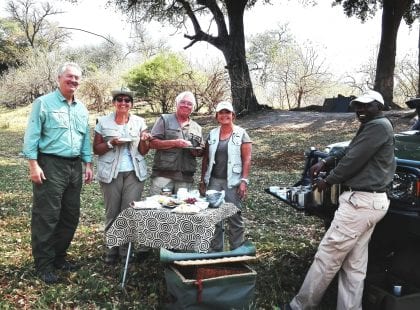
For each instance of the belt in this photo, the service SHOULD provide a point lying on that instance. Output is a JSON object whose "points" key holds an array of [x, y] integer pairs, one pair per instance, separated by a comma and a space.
{"points": [[352, 189], [60, 157]]}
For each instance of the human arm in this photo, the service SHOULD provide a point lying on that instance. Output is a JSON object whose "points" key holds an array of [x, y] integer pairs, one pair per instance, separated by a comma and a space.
{"points": [[33, 131], [204, 164], [100, 146], [246, 150], [158, 144]]}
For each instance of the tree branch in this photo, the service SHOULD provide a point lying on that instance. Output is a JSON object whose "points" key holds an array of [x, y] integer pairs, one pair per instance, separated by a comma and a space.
{"points": [[95, 34]]}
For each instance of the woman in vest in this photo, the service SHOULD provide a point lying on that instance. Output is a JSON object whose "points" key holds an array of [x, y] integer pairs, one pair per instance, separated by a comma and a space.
{"points": [[121, 140], [226, 164]]}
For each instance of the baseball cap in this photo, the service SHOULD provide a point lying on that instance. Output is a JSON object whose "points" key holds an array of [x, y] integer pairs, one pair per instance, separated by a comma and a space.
{"points": [[369, 96], [224, 105]]}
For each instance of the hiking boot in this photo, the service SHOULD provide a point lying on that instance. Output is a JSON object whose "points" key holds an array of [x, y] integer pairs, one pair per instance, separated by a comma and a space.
{"points": [[65, 266], [124, 259], [110, 259], [48, 277]]}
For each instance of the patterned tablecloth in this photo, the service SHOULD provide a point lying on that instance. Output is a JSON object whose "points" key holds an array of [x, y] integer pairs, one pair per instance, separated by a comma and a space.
{"points": [[161, 228]]}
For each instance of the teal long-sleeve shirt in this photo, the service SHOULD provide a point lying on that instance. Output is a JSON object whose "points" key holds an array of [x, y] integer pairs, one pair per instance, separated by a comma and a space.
{"points": [[58, 128]]}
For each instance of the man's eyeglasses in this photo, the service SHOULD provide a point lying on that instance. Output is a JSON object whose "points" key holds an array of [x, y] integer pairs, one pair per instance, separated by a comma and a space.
{"points": [[187, 103], [126, 100]]}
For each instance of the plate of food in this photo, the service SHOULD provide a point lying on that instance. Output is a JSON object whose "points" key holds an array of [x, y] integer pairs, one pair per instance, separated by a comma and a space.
{"points": [[145, 205], [125, 139], [186, 209]]}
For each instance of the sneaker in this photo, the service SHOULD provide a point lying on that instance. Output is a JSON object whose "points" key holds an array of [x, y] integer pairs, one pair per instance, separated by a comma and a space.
{"points": [[48, 277], [66, 266]]}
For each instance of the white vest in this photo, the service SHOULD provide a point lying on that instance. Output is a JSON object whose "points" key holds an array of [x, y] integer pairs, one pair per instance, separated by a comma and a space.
{"points": [[109, 162], [234, 164]]}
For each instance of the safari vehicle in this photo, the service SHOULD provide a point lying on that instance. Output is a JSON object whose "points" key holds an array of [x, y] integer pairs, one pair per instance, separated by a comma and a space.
{"points": [[394, 250]]}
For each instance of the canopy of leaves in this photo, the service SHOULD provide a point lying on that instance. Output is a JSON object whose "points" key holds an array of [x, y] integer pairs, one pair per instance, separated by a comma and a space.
{"points": [[367, 8], [13, 44], [160, 79]]}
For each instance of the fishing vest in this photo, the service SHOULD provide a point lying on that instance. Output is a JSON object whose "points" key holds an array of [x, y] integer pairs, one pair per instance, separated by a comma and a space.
{"points": [[176, 159], [234, 163], [108, 163]]}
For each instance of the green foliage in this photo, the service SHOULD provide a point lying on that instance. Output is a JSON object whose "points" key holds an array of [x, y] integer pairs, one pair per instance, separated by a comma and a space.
{"points": [[160, 79], [364, 9], [13, 45]]}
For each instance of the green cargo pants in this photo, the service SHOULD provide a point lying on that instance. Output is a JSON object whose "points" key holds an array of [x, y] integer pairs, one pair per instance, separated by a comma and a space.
{"points": [[56, 210]]}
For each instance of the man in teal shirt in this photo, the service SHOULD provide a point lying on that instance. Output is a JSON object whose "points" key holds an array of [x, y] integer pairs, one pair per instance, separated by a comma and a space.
{"points": [[57, 141]]}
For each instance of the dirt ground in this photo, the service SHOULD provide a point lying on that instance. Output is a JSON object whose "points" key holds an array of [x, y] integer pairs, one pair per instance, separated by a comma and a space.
{"points": [[286, 120]]}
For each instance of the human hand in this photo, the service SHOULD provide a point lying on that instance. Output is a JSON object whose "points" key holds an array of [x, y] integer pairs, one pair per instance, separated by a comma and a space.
{"points": [[242, 190], [145, 136], [316, 169], [181, 143], [88, 173], [321, 184], [202, 188], [36, 174]]}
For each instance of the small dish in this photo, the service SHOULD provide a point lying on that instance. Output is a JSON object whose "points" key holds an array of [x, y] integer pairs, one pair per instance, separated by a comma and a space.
{"points": [[125, 139], [193, 148]]}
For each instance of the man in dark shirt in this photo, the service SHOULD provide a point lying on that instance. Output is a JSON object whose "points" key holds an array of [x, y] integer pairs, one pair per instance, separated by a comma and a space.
{"points": [[366, 167]]}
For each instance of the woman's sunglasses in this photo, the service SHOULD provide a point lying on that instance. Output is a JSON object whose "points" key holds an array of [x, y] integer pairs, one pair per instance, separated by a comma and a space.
{"points": [[126, 100]]}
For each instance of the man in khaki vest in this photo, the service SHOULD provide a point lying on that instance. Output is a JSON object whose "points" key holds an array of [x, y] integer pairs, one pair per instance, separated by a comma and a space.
{"points": [[178, 141]]}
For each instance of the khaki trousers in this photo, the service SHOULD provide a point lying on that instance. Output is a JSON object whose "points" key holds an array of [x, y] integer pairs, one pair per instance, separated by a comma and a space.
{"points": [[344, 249], [235, 223], [158, 183], [118, 195]]}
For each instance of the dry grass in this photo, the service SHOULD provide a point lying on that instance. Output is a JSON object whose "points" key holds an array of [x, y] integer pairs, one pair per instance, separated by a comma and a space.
{"points": [[286, 240]]}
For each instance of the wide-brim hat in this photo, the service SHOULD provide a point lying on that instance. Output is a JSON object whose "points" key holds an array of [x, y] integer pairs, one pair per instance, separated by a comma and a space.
{"points": [[369, 96], [122, 91]]}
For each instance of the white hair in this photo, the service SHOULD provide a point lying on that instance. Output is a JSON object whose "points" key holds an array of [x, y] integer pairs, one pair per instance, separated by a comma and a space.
{"points": [[185, 95], [63, 67]]}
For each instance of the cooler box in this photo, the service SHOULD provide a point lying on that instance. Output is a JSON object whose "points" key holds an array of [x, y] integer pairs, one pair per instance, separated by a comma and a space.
{"points": [[220, 280]]}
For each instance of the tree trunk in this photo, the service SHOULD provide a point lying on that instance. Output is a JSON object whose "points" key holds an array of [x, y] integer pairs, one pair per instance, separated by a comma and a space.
{"points": [[392, 14], [418, 63], [243, 97]]}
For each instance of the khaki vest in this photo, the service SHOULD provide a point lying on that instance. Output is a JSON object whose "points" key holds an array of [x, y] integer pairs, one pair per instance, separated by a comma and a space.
{"points": [[176, 159], [234, 164], [108, 163]]}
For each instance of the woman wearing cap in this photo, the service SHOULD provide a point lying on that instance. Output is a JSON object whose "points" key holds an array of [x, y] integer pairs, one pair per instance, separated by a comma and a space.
{"points": [[121, 141], [225, 166]]}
